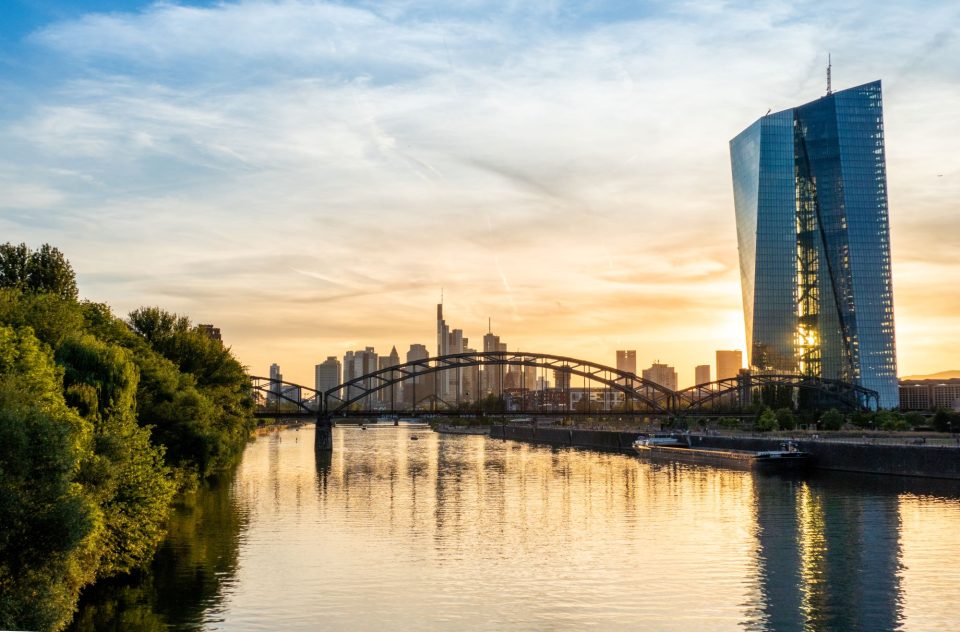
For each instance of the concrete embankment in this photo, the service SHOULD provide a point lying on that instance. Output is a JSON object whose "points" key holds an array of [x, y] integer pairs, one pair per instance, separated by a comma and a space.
{"points": [[902, 460]]}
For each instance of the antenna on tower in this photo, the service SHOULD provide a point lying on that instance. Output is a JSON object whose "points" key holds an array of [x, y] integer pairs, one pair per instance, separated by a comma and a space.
{"points": [[829, 67], [489, 325]]}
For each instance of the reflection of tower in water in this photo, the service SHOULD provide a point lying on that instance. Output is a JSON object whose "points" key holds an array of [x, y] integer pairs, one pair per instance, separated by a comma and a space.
{"points": [[828, 560]]}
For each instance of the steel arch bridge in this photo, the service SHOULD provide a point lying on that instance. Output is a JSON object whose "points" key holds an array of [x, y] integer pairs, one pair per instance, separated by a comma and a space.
{"points": [[641, 396], [738, 393]]}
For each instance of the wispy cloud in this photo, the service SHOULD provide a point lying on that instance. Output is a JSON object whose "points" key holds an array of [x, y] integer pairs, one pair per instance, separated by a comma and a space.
{"points": [[307, 174]]}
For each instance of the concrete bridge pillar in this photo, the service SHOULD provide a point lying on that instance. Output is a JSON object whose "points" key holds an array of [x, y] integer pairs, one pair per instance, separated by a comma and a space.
{"points": [[323, 440]]}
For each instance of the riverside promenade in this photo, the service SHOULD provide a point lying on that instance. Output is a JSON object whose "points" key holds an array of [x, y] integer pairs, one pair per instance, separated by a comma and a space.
{"points": [[868, 454]]}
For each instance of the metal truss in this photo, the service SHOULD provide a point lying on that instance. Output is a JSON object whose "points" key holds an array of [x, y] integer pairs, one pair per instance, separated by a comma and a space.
{"points": [[734, 394], [738, 392], [658, 399], [266, 389]]}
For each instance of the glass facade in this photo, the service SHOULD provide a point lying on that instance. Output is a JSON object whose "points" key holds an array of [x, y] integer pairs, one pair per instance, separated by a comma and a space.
{"points": [[810, 193]]}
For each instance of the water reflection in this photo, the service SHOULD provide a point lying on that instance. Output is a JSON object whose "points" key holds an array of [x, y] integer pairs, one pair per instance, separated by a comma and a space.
{"points": [[186, 580], [469, 533]]}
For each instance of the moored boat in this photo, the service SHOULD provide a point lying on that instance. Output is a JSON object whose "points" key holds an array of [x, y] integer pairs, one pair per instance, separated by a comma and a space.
{"points": [[674, 448]]}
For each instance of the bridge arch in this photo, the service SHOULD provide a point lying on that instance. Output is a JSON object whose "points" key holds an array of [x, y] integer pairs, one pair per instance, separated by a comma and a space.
{"points": [[659, 399], [738, 392], [268, 389]]}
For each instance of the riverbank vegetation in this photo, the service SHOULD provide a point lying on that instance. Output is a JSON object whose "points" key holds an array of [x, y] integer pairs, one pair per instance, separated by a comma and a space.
{"points": [[102, 422]]}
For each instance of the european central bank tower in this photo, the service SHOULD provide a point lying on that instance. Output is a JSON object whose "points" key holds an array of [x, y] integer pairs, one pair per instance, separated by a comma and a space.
{"points": [[810, 190]]}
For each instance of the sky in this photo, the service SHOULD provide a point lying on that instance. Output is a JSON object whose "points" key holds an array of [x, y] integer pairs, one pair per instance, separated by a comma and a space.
{"points": [[309, 175]]}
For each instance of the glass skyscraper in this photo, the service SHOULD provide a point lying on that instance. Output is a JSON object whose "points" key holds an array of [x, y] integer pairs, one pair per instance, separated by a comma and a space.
{"points": [[810, 191]]}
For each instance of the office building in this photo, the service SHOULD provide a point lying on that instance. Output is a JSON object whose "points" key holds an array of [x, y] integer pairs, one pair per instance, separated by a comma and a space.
{"points": [[276, 377], [701, 374], [391, 396], [627, 361], [357, 364], [810, 192], [327, 374], [417, 389], [211, 332], [729, 364], [662, 374], [930, 394]]}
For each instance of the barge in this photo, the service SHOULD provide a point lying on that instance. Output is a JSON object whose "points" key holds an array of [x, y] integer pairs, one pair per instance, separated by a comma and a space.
{"points": [[675, 448]]}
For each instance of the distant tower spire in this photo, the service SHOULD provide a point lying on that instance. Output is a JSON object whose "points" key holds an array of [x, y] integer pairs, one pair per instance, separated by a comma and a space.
{"points": [[489, 325], [829, 65]]}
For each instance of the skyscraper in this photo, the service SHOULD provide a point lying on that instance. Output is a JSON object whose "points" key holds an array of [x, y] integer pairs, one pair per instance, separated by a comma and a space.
{"points": [[729, 363], [327, 374], [701, 374], [627, 361], [275, 387], [810, 191], [662, 374]]}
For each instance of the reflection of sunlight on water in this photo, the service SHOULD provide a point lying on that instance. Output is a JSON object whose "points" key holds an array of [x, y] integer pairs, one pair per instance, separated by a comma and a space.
{"points": [[930, 576], [434, 531], [468, 533]]}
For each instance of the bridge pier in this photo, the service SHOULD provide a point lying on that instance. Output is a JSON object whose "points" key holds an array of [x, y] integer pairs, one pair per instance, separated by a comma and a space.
{"points": [[323, 439]]}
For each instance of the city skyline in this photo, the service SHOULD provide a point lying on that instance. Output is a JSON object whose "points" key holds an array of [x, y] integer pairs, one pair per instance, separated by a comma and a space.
{"points": [[319, 193]]}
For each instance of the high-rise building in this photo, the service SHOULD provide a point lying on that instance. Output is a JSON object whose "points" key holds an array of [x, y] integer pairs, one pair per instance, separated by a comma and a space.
{"points": [[211, 332], [729, 363], [416, 389], [810, 191], [491, 380], [627, 361], [701, 374], [327, 374], [275, 388], [662, 374], [390, 396], [357, 364]]}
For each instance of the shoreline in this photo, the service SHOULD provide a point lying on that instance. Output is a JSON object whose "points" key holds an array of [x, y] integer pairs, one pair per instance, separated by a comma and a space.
{"points": [[831, 454]]}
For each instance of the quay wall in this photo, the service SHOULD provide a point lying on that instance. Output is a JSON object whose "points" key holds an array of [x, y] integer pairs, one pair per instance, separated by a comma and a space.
{"points": [[902, 460]]}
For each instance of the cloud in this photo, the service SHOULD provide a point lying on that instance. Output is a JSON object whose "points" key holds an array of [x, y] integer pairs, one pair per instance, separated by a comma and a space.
{"points": [[309, 173]]}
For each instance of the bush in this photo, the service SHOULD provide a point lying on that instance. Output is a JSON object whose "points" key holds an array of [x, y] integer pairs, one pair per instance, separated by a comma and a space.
{"points": [[832, 420], [728, 422]]}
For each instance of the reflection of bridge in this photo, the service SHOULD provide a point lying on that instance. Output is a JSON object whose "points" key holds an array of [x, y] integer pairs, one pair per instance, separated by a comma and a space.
{"points": [[611, 391]]}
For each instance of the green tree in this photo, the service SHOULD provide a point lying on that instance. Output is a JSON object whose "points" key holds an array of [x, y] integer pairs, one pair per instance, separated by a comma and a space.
{"points": [[49, 525], [832, 420], [126, 474], [945, 420], [45, 270], [767, 421], [786, 419], [891, 421], [915, 419]]}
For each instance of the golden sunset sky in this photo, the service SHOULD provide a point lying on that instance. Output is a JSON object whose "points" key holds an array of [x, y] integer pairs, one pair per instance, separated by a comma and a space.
{"points": [[308, 176]]}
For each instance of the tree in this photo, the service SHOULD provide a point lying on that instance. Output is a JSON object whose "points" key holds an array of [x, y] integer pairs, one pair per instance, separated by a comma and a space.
{"points": [[45, 270], [767, 421], [915, 419], [786, 419], [945, 420], [49, 525], [832, 420]]}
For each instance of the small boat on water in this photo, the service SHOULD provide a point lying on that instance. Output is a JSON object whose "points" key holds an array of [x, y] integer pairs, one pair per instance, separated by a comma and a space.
{"points": [[675, 448]]}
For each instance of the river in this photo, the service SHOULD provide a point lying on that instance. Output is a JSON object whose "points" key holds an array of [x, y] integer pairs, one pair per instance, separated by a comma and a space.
{"points": [[470, 533]]}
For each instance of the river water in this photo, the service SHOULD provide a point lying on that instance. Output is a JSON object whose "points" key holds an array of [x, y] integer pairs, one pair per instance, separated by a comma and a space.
{"points": [[470, 533]]}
